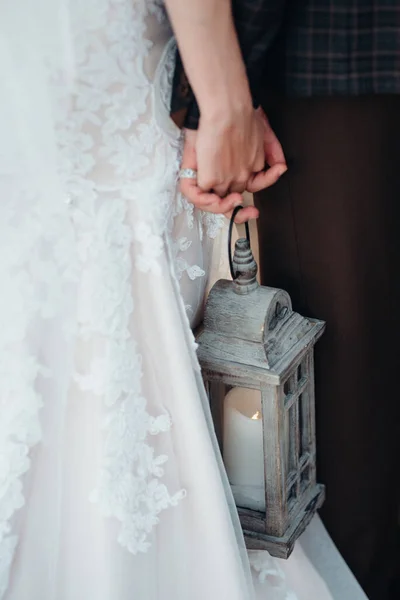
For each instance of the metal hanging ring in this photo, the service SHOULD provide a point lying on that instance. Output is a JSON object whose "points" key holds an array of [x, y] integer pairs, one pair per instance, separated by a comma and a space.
{"points": [[234, 213]]}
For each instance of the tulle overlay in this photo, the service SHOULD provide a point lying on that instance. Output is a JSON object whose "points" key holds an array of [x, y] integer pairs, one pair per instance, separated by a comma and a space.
{"points": [[111, 485]]}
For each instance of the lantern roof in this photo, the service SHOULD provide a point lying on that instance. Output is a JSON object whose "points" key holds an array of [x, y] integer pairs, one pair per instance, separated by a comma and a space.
{"points": [[251, 326]]}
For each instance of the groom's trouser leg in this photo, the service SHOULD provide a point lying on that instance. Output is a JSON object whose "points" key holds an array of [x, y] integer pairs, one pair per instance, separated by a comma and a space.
{"points": [[330, 235]]}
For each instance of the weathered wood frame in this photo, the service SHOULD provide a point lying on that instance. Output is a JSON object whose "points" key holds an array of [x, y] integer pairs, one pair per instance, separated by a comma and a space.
{"points": [[251, 338], [285, 518]]}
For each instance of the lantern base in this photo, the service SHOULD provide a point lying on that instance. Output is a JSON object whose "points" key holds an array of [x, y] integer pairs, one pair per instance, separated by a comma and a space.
{"points": [[282, 547]]}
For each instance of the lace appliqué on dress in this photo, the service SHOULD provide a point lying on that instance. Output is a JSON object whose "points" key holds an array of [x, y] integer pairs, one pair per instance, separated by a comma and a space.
{"points": [[151, 246], [110, 128], [34, 289], [268, 570]]}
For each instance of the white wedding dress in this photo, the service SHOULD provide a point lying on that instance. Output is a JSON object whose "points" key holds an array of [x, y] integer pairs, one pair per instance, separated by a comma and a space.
{"points": [[111, 486]]}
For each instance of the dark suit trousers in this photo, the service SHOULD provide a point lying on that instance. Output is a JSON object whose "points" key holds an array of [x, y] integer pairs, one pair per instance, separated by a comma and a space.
{"points": [[330, 236]]}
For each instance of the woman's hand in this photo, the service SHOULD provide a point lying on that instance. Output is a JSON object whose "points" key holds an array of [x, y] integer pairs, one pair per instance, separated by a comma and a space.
{"points": [[232, 153], [209, 201], [273, 157], [229, 149]]}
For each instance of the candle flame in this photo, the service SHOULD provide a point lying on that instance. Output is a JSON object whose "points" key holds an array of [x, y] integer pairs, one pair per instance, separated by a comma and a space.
{"points": [[256, 416]]}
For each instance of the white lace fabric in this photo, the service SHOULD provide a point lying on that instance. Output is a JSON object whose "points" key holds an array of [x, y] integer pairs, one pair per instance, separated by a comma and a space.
{"points": [[111, 486]]}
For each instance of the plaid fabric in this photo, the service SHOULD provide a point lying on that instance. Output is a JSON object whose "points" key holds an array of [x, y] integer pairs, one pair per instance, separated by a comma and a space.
{"points": [[349, 47], [314, 47], [257, 24]]}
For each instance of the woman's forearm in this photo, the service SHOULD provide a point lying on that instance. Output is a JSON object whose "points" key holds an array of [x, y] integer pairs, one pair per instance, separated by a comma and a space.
{"points": [[211, 55]]}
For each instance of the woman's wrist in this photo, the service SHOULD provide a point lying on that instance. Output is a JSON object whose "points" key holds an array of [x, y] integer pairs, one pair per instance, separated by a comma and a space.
{"points": [[225, 90], [226, 106], [223, 87]]}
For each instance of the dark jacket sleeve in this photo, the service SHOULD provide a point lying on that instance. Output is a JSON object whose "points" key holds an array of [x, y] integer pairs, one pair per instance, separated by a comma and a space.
{"points": [[257, 24]]}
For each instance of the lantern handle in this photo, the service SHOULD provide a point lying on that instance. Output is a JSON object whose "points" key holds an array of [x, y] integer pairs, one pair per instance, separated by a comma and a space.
{"points": [[234, 213]]}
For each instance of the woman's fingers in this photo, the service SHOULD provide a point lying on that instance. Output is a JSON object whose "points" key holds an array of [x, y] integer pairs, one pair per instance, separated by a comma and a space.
{"points": [[246, 214], [239, 187], [264, 179], [219, 200], [229, 150], [220, 189], [272, 147], [208, 201], [273, 156]]}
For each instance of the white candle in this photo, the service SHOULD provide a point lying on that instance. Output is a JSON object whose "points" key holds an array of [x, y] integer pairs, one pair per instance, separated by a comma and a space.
{"points": [[243, 447]]}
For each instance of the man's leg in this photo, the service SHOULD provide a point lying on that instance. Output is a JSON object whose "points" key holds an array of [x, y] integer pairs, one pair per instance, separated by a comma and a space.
{"points": [[330, 235]]}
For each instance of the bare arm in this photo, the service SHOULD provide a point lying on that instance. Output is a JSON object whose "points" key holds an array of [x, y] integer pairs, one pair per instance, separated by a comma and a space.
{"points": [[229, 144], [210, 51]]}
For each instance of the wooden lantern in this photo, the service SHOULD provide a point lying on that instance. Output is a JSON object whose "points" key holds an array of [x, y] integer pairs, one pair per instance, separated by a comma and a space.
{"points": [[256, 356]]}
